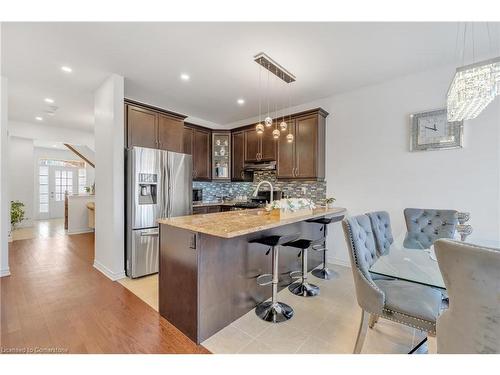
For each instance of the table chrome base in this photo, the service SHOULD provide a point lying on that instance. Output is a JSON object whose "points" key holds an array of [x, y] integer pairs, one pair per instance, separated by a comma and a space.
{"points": [[325, 273], [304, 289], [277, 313]]}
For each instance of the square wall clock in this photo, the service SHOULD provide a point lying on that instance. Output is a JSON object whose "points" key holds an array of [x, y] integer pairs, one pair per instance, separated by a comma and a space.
{"points": [[432, 131]]}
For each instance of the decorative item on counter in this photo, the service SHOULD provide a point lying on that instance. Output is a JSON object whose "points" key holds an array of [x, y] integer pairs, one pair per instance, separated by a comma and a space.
{"points": [[329, 202], [92, 189], [290, 207], [87, 189]]}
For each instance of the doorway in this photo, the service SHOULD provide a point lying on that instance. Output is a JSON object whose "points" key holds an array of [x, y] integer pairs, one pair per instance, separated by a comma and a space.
{"points": [[57, 179]]}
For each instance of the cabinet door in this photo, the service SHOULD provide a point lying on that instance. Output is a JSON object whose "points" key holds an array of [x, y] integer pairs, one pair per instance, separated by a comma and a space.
{"points": [[170, 132], [201, 155], [306, 137], [141, 127], [187, 140], [252, 145], [268, 146], [286, 155], [238, 156]]}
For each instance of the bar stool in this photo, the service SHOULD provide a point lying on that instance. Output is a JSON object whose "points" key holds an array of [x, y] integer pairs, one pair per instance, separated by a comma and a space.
{"points": [[302, 288], [274, 311], [324, 273]]}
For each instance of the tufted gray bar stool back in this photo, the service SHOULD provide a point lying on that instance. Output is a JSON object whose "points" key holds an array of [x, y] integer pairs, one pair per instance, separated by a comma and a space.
{"points": [[427, 225]]}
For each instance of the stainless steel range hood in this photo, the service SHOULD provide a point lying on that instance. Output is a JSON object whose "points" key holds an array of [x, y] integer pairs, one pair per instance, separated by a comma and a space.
{"points": [[262, 166]]}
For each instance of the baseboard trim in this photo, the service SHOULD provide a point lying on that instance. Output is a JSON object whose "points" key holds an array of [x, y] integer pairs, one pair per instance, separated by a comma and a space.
{"points": [[81, 231], [5, 272], [339, 262], [107, 272]]}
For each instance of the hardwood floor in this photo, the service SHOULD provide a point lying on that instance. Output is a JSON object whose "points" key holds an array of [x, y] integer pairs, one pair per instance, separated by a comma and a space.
{"points": [[55, 301]]}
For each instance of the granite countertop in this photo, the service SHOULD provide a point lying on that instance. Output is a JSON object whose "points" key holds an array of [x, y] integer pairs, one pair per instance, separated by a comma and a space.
{"points": [[237, 223]]}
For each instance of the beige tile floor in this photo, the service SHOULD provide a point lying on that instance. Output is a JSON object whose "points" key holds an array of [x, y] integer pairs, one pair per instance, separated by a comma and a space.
{"points": [[325, 324], [146, 288], [40, 229]]}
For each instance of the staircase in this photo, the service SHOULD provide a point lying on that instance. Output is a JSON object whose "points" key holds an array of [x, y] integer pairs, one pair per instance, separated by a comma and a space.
{"points": [[84, 152]]}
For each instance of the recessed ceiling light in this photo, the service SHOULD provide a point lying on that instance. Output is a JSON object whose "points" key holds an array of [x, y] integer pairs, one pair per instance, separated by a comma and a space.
{"points": [[241, 101], [66, 69], [38, 118], [49, 100], [185, 77]]}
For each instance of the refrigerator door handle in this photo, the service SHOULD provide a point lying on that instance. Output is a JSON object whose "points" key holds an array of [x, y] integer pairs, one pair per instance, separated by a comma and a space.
{"points": [[169, 190], [150, 234]]}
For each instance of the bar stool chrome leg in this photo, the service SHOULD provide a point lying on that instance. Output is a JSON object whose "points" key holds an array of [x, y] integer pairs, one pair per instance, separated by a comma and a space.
{"points": [[324, 272], [274, 311], [303, 288]]}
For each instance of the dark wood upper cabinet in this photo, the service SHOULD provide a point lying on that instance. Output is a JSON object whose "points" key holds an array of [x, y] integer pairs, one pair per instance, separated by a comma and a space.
{"points": [[259, 147], [306, 144], [267, 146], [153, 127], [197, 142], [187, 141], [285, 166], [141, 127], [170, 133], [238, 158], [202, 160], [304, 158], [252, 146]]}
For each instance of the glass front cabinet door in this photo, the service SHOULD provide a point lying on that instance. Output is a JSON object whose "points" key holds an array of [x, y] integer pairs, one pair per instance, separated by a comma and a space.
{"points": [[221, 156]]}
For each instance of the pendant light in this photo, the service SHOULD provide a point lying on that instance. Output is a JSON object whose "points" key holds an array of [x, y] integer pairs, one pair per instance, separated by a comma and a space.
{"points": [[283, 124], [474, 86], [289, 137], [268, 121], [260, 128], [276, 132], [279, 72]]}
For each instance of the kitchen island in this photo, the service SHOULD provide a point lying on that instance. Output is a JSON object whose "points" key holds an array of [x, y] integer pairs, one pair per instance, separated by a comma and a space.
{"points": [[208, 267]]}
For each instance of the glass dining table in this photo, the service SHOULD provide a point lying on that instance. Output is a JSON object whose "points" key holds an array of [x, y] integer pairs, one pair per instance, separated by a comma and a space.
{"points": [[410, 260]]}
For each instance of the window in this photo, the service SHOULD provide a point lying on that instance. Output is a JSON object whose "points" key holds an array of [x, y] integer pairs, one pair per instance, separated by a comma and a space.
{"points": [[43, 177], [82, 180], [63, 183]]}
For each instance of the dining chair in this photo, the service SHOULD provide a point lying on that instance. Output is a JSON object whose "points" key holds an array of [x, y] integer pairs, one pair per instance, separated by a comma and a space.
{"points": [[382, 231], [471, 324], [426, 225], [404, 302]]}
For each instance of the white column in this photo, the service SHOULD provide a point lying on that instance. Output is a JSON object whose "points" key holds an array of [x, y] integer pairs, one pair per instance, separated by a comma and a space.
{"points": [[4, 201], [109, 178]]}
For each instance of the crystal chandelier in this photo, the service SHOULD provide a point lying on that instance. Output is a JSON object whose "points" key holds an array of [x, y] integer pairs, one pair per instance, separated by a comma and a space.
{"points": [[472, 89]]}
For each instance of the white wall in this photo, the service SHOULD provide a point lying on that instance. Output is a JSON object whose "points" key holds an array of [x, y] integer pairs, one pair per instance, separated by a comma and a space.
{"points": [[109, 176], [44, 132], [4, 198], [20, 177], [369, 166]]}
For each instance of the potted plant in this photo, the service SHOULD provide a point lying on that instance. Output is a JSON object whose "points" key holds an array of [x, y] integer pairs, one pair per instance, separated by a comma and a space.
{"points": [[17, 213], [329, 202]]}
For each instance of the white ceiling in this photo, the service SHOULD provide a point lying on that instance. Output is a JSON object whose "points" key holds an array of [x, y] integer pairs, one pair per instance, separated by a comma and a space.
{"points": [[327, 59]]}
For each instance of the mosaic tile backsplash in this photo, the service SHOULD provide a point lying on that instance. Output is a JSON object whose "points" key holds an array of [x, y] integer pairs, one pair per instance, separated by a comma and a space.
{"points": [[314, 190]]}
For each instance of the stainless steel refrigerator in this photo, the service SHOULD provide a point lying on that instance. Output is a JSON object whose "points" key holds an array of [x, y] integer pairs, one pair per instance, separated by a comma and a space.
{"points": [[159, 185]]}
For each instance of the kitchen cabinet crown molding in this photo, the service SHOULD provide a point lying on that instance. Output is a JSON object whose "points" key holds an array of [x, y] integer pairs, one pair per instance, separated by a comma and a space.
{"points": [[154, 108]]}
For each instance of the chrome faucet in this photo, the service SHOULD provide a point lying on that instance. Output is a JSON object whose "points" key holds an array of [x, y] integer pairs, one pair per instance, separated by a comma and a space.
{"points": [[258, 187]]}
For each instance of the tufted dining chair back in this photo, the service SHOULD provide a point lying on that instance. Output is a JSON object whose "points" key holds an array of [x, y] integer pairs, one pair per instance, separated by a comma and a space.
{"points": [[363, 253], [427, 225], [382, 231], [471, 324]]}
